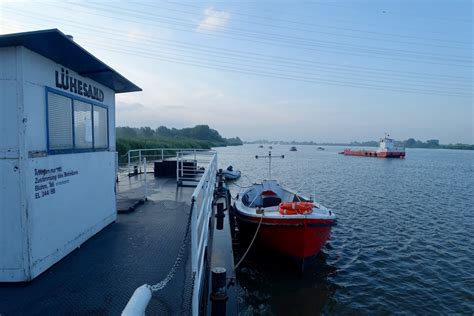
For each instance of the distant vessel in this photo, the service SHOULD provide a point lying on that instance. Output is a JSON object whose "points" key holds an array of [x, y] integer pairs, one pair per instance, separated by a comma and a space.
{"points": [[387, 149], [320, 148], [261, 146], [293, 148], [270, 147]]}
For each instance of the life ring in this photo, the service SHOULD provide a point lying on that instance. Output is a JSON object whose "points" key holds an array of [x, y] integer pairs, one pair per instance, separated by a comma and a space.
{"points": [[293, 208]]}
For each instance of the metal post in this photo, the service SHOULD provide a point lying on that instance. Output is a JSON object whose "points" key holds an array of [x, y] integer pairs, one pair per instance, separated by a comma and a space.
{"points": [[128, 154], [140, 159], [146, 186], [270, 166], [194, 245], [219, 291], [162, 155], [177, 168], [220, 216]]}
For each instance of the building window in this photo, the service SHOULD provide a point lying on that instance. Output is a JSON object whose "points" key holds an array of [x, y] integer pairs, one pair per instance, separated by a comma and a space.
{"points": [[75, 125], [83, 125], [59, 122], [100, 127]]}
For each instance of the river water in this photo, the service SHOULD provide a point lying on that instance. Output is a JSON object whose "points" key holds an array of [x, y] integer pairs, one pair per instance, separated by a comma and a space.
{"points": [[404, 243]]}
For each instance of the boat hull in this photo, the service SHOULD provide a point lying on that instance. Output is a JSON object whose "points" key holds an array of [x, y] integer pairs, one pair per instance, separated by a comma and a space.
{"points": [[299, 239], [364, 153], [231, 175]]}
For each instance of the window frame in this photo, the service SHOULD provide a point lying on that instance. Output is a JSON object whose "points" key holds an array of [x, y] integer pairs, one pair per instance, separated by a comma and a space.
{"points": [[75, 150]]}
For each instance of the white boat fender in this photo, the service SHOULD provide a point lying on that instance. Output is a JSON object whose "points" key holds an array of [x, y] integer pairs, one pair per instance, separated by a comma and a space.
{"points": [[138, 303]]}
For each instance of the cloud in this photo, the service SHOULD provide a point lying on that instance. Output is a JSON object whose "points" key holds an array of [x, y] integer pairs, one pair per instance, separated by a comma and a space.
{"points": [[213, 20], [141, 36]]}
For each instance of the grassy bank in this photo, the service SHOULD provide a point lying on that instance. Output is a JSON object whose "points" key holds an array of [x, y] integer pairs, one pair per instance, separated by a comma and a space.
{"points": [[198, 137], [126, 144]]}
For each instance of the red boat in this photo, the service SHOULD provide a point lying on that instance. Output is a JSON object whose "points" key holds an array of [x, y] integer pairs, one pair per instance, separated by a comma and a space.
{"points": [[387, 149], [284, 221]]}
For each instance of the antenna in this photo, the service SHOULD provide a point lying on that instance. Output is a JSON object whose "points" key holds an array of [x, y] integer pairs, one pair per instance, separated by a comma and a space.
{"points": [[269, 156]]}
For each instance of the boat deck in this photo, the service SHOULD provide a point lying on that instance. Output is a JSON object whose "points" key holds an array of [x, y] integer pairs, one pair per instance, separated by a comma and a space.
{"points": [[99, 277]]}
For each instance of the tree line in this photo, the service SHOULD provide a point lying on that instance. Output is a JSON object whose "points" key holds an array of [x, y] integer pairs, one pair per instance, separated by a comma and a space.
{"points": [[199, 136], [409, 143]]}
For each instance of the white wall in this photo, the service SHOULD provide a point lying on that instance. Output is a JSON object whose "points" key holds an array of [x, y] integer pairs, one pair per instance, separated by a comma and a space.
{"points": [[8, 103], [81, 205], [42, 222], [13, 249]]}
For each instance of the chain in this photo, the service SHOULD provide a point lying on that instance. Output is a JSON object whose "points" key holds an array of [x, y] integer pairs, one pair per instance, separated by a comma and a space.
{"points": [[162, 284]]}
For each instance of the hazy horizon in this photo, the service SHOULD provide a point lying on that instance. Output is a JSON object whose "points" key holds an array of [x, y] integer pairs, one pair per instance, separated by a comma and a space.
{"points": [[334, 71]]}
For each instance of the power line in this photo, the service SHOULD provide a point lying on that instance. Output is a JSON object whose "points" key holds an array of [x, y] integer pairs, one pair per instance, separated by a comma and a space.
{"points": [[291, 41], [312, 31], [257, 61], [404, 14], [311, 63], [237, 68], [273, 19], [232, 68]]}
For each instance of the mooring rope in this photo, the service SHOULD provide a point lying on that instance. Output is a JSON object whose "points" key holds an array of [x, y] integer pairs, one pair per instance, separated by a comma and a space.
{"points": [[251, 243], [240, 186]]}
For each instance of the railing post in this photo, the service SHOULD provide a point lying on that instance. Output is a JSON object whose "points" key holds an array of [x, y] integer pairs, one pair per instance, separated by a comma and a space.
{"points": [[128, 154], [162, 155], [146, 186], [177, 167], [140, 160], [194, 235]]}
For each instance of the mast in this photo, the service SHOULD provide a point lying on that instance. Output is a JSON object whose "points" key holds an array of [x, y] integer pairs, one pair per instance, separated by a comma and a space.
{"points": [[270, 157]]}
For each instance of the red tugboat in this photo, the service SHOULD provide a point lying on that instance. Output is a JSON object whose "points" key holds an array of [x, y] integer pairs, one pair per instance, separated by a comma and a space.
{"points": [[284, 221], [387, 149]]}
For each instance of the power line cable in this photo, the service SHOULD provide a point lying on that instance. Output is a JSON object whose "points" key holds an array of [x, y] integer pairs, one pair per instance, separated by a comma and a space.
{"points": [[273, 19], [231, 68], [302, 43], [419, 83], [326, 81], [312, 63]]}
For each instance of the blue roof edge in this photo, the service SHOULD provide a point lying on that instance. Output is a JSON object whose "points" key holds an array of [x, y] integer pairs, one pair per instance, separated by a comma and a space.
{"points": [[77, 58]]}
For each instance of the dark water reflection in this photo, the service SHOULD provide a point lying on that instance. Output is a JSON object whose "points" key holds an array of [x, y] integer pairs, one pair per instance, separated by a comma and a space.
{"points": [[404, 242]]}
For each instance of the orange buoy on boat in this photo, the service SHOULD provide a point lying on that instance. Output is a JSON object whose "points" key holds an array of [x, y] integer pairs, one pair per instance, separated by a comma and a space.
{"points": [[293, 208]]}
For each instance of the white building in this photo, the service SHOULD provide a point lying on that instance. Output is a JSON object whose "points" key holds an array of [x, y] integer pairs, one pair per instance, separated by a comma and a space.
{"points": [[57, 149]]}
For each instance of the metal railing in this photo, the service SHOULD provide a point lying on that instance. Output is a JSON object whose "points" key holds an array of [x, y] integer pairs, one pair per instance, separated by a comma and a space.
{"points": [[135, 156], [191, 166], [201, 211]]}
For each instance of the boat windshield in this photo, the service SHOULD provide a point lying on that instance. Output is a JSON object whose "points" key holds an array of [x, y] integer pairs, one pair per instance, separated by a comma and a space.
{"points": [[267, 194]]}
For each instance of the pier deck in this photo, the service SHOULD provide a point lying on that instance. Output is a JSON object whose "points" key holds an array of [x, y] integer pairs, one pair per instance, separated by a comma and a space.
{"points": [[99, 277]]}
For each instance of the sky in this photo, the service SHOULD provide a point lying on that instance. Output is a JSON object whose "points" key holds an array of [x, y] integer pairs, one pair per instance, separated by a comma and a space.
{"points": [[327, 71]]}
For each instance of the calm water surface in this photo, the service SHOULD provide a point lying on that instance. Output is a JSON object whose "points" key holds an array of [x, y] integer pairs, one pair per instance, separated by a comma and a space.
{"points": [[404, 242]]}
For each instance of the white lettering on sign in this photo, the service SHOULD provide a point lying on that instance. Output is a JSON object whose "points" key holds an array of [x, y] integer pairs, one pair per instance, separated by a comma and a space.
{"points": [[47, 180]]}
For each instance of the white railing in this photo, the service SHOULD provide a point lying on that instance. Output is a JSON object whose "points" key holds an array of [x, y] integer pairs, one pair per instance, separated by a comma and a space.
{"points": [[135, 156], [191, 166], [201, 209]]}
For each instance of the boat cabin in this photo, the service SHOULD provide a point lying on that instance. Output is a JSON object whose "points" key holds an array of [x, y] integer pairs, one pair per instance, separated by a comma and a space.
{"points": [[269, 194]]}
